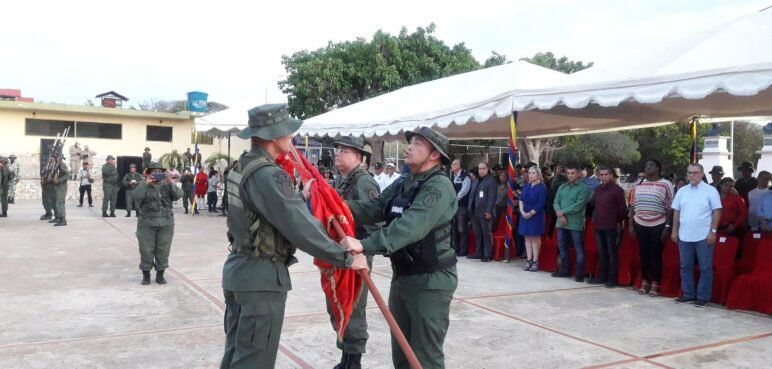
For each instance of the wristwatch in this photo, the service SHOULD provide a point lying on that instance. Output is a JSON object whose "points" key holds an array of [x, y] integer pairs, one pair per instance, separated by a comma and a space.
{"points": [[712, 230]]}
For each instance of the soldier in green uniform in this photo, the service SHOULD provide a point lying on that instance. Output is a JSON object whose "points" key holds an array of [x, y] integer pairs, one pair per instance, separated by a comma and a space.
{"points": [[354, 183], [109, 186], [5, 184], [48, 195], [417, 208], [267, 221], [155, 227], [130, 181], [15, 178], [60, 193], [187, 188], [146, 157]]}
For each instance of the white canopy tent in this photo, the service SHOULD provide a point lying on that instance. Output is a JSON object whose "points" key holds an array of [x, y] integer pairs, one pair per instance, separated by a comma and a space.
{"points": [[722, 72], [220, 124]]}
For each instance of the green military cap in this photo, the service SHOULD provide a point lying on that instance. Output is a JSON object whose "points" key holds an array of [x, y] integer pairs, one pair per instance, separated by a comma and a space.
{"points": [[270, 121], [746, 165], [132, 166], [155, 165], [110, 157], [437, 139], [12, 156], [353, 142]]}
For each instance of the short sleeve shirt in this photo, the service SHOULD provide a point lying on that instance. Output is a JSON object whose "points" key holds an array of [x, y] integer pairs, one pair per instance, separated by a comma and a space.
{"points": [[695, 205]]}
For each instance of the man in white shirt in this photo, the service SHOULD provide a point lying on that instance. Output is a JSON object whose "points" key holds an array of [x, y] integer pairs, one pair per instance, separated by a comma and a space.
{"points": [[379, 174], [754, 198], [84, 175], [390, 176], [697, 213], [462, 183]]}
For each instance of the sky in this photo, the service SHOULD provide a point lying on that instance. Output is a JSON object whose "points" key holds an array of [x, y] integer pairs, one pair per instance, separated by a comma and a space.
{"points": [[70, 51]]}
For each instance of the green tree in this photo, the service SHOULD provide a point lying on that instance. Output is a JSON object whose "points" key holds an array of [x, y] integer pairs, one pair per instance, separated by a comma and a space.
{"points": [[343, 73], [670, 144], [176, 106], [496, 59], [748, 139], [614, 149], [172, 159], [562, 64]]}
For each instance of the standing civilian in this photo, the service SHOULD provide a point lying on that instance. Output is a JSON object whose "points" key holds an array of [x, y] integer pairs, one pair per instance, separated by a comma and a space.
{"points": [[532, 201], [462, 183], [734, 212], [211, 192], [186, 180], [570, 203], [754, 198], [716, 174], [765, 212], [84, 174], [608, 218], [557, 180], [746, 182], [201, 185], [481, 211]]}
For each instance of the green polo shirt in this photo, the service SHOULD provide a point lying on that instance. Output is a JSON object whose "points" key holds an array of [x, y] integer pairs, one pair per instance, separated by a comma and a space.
{"points": [[571, 199]]}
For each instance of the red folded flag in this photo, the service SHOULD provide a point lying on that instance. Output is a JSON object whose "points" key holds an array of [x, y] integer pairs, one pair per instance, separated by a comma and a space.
{"points": [[342, 287]]}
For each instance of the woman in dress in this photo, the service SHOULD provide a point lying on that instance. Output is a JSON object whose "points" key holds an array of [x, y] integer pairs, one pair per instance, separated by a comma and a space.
{"points": [[202, 184], [532, 201]]}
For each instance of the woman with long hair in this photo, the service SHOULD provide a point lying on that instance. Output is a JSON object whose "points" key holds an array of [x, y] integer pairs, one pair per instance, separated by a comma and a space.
{"points": [[532, 202]]}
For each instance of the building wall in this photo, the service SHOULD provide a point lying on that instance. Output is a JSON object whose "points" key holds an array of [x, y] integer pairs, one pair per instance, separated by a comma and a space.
{"points": [[13, 140]]}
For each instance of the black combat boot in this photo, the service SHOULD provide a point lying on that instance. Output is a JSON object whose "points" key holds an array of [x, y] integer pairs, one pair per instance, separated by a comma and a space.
{"points": [[112, 214], [136, 213], [146, 277], [186, 210], [128, 214], [62, 222], [4, 214], [10, 200], [159, 277], [343, 361], [46, 216], [54, 220], [104, 214], [354, 361]]}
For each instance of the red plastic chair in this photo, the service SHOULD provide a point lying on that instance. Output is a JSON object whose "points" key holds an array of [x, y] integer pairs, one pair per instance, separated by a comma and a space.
{"points": [[753, 291], [629, 260], [501, 226], [548, 254], [472, 246], [498, 247], [748, 247], [724, 253], [670, 284]]}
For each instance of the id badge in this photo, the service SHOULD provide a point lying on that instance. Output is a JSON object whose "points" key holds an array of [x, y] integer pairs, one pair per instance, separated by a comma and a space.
{"points": [[482, 194]]}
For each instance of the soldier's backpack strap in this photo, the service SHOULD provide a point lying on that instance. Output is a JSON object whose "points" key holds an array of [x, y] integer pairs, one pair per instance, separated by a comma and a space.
{"points": [[236, 179]]}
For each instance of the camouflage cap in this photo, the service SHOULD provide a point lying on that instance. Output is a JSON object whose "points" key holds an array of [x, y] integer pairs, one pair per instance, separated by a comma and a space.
{"points": [[110, 157], [746, 165], [12, 156], [155, 165], [440, 142], [132, 166], [353, 142], [270, 121]]}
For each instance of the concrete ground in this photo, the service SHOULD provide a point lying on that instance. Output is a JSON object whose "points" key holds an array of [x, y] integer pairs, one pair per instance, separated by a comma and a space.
{"points": [[70, 298]]}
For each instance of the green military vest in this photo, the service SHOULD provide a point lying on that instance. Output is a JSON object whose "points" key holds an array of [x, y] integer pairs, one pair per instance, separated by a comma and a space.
{"points": [[249, 231]]}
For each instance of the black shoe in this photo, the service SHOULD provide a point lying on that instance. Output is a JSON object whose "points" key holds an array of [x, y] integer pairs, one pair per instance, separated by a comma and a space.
{"points": [[145, 277], [128, 214], [684, 300], [10, 200], [473, 257], [596, 281], [136, 214], [560, 275], [54, 220], [485, 260], [700, 303], [91, 205], [579, 279], [186, 210], [104, 214], [610, 285], [343, 362], [196, 212], [354, 361], [462, 255], [45, 217], [159, 277], [80, 205], [112, 214], [4, 215], [61, 223]]}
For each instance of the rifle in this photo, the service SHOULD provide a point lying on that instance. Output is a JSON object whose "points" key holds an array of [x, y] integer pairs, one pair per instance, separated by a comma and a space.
{"points": [[51, 170]]}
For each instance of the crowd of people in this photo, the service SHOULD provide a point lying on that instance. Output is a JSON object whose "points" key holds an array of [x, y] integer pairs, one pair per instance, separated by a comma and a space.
{"points": [[564, 200]]}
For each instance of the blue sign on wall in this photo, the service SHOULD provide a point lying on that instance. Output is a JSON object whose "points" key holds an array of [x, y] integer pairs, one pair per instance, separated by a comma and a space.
{"points": [[197, 101]]}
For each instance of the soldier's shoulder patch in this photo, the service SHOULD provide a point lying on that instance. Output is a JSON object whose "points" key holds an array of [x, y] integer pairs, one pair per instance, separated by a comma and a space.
{"points": [[373, 193], [284, 183], [432, 197]]}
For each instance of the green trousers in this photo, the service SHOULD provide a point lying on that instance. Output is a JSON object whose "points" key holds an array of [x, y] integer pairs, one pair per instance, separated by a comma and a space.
{"points": [[60, 195], [155, 243], [187, 199], [253, 323], [355, 336], [423, 316], [129, 200], [110, 196], [4, 199], [49, 198]]}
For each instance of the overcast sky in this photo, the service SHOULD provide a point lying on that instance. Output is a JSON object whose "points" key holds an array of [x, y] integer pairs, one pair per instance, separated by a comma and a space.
{"points": [[69, 51]]}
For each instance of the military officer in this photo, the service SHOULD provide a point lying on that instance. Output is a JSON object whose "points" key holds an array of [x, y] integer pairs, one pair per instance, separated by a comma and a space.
{"points": [[109, 186], [354, 183], [60, 193], [186, 180], [15, 177], [5, 180], [267, 221], [155, 227], [130, 181], [48, 195], [418, 209], [146, 157]]}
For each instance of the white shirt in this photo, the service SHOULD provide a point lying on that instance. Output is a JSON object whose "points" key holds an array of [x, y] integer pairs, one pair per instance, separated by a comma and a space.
{"points": [[466, 184], [84, 175], [695, 205], [754, 200], [384, 180]]}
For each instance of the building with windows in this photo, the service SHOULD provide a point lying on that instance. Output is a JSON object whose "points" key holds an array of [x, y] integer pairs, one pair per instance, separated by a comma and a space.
{"points": [[29, 128]]}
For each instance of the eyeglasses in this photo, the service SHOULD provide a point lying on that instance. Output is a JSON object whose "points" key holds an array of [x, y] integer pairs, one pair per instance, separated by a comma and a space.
{"points": [[344, 150], [693, 172]]}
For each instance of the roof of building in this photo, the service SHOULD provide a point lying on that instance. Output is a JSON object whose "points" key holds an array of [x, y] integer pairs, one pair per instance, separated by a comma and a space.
{"points": [[93, 110], [113, 94]]}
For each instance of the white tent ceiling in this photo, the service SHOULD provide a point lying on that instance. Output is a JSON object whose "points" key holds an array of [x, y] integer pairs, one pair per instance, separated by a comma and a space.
{"points": [[220, 123], [722, 72]]}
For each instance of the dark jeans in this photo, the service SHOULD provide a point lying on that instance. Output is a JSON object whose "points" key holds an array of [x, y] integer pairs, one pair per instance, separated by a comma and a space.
{"points": [[608, 254], [577, 239], [461, 231], [85, 189], [483, 238], [211, 200], [650, 246]]}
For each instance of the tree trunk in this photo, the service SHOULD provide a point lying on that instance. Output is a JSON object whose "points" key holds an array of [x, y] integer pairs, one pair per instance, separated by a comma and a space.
{"points": [[533, 148], [377, 146]]}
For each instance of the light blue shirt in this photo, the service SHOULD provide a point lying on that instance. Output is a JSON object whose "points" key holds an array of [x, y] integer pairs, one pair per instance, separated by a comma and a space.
{"points": [[592, 182], [695, 205], [765, 208]]}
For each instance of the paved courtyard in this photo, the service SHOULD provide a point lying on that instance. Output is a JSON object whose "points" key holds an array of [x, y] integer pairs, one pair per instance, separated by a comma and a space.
{"points": [[70, 298]]}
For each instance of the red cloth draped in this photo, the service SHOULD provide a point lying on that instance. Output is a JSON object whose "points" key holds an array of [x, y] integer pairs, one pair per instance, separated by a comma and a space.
{"points": [[341, 287]]}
